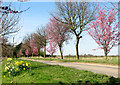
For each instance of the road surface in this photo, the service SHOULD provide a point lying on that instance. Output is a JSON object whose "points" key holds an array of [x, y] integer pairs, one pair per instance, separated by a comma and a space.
{"points": [[96, 68]]}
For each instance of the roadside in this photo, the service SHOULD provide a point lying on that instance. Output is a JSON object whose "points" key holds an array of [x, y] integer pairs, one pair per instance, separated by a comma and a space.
{"points": [[96, 68], [93, 60]]}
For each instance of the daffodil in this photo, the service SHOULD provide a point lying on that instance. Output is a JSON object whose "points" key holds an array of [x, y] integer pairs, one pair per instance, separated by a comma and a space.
{"points": [[16, 69], [9, 72], [23, 68], [4, 76], [11, 82], [26, 64], [17, 63], [23, 64], [6, 68], [9, 59]]}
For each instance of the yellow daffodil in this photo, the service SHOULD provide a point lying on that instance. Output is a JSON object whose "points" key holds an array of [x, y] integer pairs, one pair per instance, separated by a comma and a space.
{"points": [[26, 64], [11, 82], [17, 63], [6, 68], [9, 72], [16, 69], [9, 59], [23, 64], [23, 68], [10, 69]]}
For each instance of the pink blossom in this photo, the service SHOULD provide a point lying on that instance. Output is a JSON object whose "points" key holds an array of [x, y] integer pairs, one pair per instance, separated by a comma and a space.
{"points": [[52, 48], [101, 30], [35, 51], [27, 52]]}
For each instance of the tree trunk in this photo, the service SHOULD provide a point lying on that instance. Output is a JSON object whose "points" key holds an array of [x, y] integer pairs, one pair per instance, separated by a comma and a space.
{"points": [[39, 51], [44, 53], [105, 51], [61, 52], [77, 53], [32, 54]]}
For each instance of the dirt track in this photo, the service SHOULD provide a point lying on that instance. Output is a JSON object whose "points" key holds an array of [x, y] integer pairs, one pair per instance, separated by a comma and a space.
{"points": [[96, 68]]}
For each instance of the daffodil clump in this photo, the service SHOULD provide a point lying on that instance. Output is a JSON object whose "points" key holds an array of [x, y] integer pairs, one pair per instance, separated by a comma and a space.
{"points": [[10, 67], [23, 65], [13, 66]]}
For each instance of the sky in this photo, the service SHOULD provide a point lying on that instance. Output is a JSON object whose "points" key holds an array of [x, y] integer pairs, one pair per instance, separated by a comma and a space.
{"points": [[38, 15]]}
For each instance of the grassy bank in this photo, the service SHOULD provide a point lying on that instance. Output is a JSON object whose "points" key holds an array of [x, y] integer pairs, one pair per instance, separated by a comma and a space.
{"points": [[101, 60], [43, 73]]}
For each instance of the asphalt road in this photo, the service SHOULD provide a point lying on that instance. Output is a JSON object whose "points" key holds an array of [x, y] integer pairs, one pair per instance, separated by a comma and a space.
{"points": [[96, 68]]}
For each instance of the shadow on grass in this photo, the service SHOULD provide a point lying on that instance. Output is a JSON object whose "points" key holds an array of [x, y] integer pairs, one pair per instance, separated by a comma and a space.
{"points": [[41, 66], [111, 81]]}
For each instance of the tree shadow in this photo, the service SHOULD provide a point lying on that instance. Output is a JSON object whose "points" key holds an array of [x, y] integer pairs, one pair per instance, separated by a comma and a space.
{"points": [[111, 81], [41, 66]]}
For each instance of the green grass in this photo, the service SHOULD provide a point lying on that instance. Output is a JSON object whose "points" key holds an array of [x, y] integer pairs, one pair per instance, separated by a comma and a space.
{"points": [[101, 60], [43, 73]]}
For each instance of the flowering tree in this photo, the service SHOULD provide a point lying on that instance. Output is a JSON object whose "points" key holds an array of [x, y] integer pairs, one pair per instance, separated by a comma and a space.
{"points": [[57, 32], [35, 51], [34, 47], [104, 30], [32, 44], [52, 48], [40, 38], [27, 52]]}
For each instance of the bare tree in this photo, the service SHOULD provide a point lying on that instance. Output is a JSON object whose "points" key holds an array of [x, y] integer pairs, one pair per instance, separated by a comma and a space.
{"points": [[77, 15], [9, 19], [40, 38], [8, 24], [26, 42], [6, 47]]}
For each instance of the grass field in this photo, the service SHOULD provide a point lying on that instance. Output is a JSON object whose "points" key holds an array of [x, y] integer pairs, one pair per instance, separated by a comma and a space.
{"points": [[102, 60], [43, 73]]}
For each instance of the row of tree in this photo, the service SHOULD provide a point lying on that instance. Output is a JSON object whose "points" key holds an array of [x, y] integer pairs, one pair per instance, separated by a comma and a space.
{"points": [[74, 18], [100, 23], [54, 34]]}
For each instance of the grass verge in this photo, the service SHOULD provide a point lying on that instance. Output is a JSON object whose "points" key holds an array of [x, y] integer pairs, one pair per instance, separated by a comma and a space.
{"points": [[112, 61], [43, 73]]}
